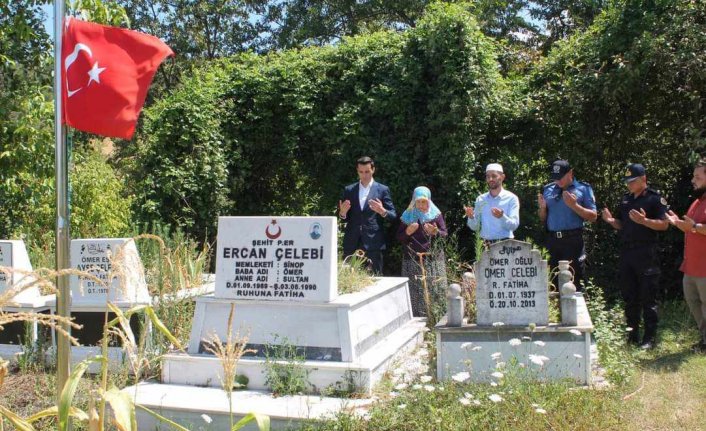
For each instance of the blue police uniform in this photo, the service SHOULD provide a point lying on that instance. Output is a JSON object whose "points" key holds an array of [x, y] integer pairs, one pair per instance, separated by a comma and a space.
{"points": [[565, 227], [639, 262]]}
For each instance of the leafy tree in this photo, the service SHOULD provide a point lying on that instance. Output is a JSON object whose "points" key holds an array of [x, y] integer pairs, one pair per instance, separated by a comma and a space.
{"points": [[562, 18], [320, 22], [278, 134]]}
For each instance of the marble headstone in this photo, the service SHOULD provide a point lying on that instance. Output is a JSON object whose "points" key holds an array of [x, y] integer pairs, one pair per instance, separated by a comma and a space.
{"points": [[277, 258], [13, 254], [512, 285], [117, 263]]}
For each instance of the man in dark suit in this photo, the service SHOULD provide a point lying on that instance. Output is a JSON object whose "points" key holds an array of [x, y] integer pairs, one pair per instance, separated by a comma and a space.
{"points": [[364, 206]]}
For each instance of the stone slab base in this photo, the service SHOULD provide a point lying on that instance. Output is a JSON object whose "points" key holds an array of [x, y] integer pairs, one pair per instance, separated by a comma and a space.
{"points": [[564, 351], [364, 373], [192, 407]]}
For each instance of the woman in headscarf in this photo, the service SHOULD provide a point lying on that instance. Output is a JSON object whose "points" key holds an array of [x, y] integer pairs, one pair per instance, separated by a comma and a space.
{"points": [[422, 224]]}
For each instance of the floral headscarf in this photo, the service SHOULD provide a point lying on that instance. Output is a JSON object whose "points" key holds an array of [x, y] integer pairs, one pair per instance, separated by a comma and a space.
{"points": [[413, 215]]}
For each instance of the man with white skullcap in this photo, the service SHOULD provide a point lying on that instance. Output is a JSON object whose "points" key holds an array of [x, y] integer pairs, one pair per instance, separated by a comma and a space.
{"points": [[495, 213]]}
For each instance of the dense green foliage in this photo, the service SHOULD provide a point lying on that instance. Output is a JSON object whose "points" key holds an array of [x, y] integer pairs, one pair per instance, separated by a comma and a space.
{"points": [[433, 99], [277, 134]]}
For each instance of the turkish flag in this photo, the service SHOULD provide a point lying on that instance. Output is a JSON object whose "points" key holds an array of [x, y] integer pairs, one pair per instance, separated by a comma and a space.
{"points": [[106, 74]]}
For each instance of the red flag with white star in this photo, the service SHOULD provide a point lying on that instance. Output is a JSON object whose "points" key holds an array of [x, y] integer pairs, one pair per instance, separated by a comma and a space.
{"points": [[106, 74]]}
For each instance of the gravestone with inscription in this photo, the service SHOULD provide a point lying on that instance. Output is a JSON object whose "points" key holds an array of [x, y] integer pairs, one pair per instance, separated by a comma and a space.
{"points": [[114, 261], [283, 259], [114, 273], [511, 280], [512, 323], [280, 275]]}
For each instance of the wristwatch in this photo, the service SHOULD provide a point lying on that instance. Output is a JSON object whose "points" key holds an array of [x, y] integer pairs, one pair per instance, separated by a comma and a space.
{"points": [[695, 227]]}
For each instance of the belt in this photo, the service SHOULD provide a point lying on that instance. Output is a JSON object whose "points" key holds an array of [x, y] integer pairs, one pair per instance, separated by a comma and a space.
{"points": [[561, 234]]}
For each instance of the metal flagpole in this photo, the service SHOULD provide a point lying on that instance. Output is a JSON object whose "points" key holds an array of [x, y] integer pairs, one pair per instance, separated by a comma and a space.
{"points": [[63, 238]]}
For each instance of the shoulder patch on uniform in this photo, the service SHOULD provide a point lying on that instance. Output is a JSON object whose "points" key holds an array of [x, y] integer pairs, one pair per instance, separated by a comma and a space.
{"points": [[663, 201]]}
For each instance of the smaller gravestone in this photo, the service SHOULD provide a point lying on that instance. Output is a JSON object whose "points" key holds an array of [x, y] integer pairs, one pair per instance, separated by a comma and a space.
{"points": [[116, 262], [13, 254], [512, 285], [277, 258]]}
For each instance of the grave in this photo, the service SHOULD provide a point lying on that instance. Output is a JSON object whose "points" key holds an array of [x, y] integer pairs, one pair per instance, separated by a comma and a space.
{"points": [[512, 324], [116, 262], [13, 254], [280, 273]]}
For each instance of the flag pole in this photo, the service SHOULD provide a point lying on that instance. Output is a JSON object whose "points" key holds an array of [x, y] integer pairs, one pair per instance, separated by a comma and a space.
{"points": [[63, 237]]}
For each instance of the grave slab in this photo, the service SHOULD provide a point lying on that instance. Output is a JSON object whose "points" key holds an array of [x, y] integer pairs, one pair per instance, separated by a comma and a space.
{"points": [[186, 405]]}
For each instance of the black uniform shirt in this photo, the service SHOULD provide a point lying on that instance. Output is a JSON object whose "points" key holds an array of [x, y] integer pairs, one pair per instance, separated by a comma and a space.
{"points": [[655, 207]]}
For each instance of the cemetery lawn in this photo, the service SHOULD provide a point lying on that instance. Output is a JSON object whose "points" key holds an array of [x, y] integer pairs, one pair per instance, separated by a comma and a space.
{"points": [[666, 390]]}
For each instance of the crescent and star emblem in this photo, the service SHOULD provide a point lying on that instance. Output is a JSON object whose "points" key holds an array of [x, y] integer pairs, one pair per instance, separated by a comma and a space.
{"points": [[93, 74], [273, 235]]}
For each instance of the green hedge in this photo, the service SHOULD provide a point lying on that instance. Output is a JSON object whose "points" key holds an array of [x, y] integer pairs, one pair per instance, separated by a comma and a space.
{"points": [[279, 134]]}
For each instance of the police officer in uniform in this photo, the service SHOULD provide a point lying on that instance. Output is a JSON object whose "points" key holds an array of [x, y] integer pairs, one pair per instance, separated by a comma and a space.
{"points": [[564, 206], [641, 214]]}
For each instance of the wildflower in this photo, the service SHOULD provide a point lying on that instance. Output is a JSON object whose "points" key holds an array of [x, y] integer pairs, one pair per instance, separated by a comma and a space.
{"points": [[394, 394], [522, 365], [514, 342], [500, 365], [493, 384], [538, 359], [206, 418], [498, 324], [467, 395], [461, 377], [466, 345], [429, 388], [423, 352], [628, 329], [540, 411], [576, 355], [425, 379], [401, 386], [402, 406], [476, 402], [495, 356], [398, 371], [476, 348], [464, 401], [417, 387], [498, 375], [535, 405], [495, 398], [540, 343], [576, 332]]}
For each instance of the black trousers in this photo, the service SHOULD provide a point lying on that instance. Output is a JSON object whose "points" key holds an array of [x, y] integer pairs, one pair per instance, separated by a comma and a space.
{"points": [[568, 248], [639, 279]]}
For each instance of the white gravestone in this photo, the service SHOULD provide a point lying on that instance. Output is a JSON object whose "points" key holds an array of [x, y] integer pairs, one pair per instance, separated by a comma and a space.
{"points": [[13, 254], [512, 285], [277, 258], [98, 257]]}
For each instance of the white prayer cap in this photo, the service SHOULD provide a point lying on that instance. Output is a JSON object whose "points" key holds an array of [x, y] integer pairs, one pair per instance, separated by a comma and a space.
{"points": [[497, 167]]}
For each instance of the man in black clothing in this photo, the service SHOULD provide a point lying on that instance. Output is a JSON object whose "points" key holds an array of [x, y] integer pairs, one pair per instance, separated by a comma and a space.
{"points": [[641, 214]]}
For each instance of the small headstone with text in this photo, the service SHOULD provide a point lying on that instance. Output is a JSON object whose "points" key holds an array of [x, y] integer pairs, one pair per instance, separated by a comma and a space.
{"points": [[512, 285]]}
